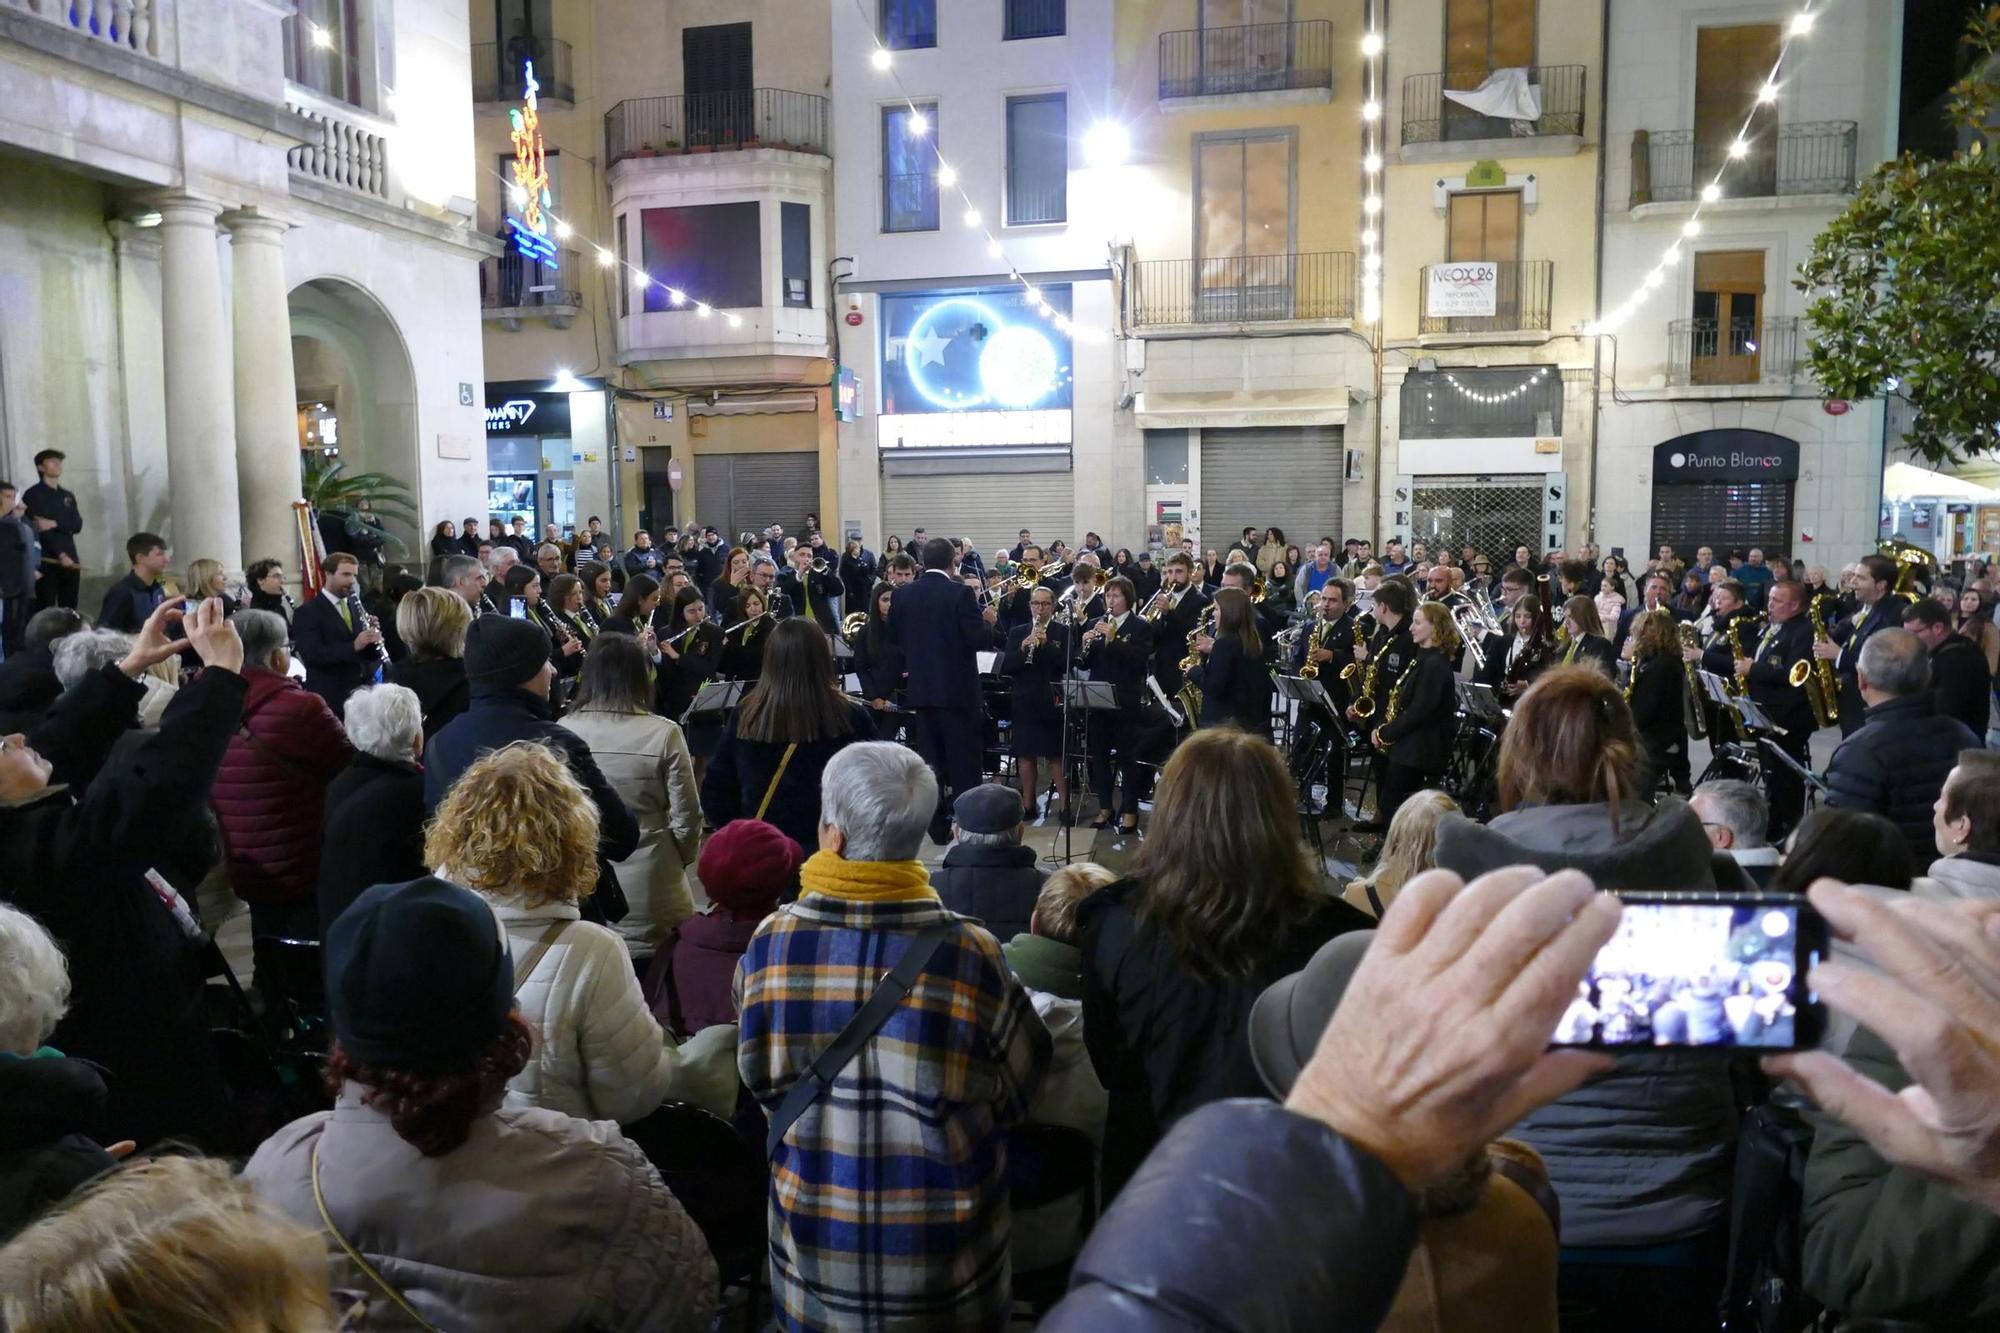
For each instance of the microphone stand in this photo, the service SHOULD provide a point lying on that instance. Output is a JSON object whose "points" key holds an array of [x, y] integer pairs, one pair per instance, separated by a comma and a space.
{"points": [[1068, 676]]}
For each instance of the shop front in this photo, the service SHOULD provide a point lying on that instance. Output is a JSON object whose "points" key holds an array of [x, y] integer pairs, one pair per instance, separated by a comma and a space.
{"points": [[547, 456], [1725, 489]]}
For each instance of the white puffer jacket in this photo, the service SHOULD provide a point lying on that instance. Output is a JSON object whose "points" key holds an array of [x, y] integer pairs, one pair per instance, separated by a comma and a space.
{"points": [[599, 1052]]}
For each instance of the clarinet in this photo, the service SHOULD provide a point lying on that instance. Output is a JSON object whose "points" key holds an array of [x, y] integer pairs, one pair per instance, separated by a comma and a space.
{"points": [[368, 622]]}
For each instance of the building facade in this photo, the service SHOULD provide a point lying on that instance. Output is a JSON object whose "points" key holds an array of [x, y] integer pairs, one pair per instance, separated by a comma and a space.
{"points": [[674, 350], [1711, 430], [229, 232], [973, 211]]}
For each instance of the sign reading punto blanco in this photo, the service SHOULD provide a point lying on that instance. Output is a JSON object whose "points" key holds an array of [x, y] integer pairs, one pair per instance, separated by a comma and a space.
{"points": [[1463, 287]]}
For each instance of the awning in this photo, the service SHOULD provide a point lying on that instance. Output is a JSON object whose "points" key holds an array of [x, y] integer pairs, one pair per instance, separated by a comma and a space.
{"points": [[1239, 407], [1907, 481]]}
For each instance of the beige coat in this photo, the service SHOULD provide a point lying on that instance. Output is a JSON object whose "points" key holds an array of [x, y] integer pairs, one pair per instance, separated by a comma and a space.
{"points": [[645, 759]]}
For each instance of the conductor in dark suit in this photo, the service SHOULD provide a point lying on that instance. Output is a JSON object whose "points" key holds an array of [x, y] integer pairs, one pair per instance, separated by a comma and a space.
{"points": [[939, 626], [1785, 640], [1874, 578], [330, 636], [811, 594]]}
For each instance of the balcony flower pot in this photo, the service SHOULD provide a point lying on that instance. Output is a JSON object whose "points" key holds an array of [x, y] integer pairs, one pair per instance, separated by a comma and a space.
{"points": [[644, 150], [673, 146], [698, 148]]}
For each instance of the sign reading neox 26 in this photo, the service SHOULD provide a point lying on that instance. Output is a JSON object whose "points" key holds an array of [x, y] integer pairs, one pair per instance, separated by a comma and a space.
{"points": [[1468, 287]]}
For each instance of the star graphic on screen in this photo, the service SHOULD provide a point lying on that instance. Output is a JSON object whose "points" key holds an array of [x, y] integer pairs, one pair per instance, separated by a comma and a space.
{"points": [[930, 348]]}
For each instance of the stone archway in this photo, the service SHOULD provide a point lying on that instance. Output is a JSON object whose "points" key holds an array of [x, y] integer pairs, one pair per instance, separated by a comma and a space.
{"points": [[348, 353]]}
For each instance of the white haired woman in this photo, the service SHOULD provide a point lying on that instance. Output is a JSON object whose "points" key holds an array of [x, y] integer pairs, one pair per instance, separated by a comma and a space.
{"points": [[50, 1105], [375, 806]]}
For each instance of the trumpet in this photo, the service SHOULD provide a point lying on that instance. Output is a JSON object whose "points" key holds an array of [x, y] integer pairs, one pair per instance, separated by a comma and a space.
{"points": [[820, 566]]}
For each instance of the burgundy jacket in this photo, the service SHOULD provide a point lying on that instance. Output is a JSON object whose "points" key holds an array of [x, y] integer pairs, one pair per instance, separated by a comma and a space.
{"points": [[705, 956], [270, 794]]}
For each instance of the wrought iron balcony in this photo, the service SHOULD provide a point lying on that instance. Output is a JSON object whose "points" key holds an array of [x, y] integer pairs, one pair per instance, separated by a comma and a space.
{"points": [[1516, 301], [1251, 58], [512, 286], [715, 122], [1814, 157], [1429, 116], [497, 73], [1245, 289], [1732, 351]]}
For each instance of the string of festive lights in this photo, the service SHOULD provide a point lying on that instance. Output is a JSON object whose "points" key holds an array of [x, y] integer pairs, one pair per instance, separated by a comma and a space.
{"points": [[1503, 396], [1739, 149], [1372, 45], [1106, 144]]}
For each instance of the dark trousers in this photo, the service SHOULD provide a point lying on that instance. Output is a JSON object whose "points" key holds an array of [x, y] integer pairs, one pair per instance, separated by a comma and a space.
{"points": [[948, 740], [1114, 754], [14, 613], [1399, 783], [57, 587], [1669, 759], [1787, 791]]}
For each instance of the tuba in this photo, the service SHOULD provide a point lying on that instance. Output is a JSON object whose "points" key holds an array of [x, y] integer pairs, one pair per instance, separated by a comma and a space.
{"points": [[1909, 558]]}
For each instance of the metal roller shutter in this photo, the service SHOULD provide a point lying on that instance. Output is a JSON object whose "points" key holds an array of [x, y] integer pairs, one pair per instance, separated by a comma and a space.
{"points": [[1723, 514], [741, 493], [1285, 477], [990, 508]]}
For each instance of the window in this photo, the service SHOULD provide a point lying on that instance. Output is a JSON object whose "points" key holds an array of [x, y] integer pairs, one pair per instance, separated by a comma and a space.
{"points": [[1481, 36], [711, 252], [1034, 18], [624, 287], [716, 82], [909, 170], [1243, 226], [1726, 334], [795, 238], [321, 44], [1037, 159], [907, 24], [1730, 66]]}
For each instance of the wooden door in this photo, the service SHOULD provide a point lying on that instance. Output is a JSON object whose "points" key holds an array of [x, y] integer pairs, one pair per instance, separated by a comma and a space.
{"points": [[1486, 224], [1730, 67], [1727, 334]]}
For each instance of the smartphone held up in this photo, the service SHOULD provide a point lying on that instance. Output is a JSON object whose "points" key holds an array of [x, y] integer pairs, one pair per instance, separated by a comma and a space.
{"points": [[1711, 971]]}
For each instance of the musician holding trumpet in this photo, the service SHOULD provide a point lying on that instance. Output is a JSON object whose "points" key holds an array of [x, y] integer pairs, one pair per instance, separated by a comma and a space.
{"points": [[810, 586], [1036, 659], [1776, 674]]}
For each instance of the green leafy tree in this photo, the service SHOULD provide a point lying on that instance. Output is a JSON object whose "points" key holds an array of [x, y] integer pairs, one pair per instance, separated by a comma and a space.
{"points": [[1906, 282], [364, 500]]}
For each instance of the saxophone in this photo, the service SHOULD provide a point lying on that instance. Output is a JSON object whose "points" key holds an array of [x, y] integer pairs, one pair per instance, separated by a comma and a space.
{"points": [[1309, 669], [1393, 707], [1364, 703], [1697, 724], [1816, 674], [1189, 693], [1739, 685]]}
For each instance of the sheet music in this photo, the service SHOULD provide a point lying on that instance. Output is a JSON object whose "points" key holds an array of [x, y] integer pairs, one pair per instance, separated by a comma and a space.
{"points": [[851, 683], [987, 662]]}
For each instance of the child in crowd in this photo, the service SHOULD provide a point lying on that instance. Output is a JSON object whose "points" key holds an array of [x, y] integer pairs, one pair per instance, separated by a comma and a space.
{"points": [[746, 868]]}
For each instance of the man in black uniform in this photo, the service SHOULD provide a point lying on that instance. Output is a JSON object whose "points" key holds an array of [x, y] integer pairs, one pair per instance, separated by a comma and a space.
{"points": [[1327, 645], [1270, 620], [1718, 651], [1959, 678], [809, 592], [1017, 605], [1785, 642], [52, 512], [1383, 658], [939, 625], [1186, 604], [1117, 648], [1873, 578]]}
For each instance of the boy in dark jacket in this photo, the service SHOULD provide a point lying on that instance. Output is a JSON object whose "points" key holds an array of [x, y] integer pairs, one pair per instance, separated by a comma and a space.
{"points": [[745, 868]]}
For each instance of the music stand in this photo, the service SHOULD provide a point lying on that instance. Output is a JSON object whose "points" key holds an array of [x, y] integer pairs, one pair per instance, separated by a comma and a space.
{"points": [[714, 701], [1089, 696], [1815, 785], [1480, 701]]}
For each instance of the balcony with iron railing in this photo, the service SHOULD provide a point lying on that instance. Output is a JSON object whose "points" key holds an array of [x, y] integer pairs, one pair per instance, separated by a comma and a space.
{"points": [[498, 73], [1459, 298], [1431, 115], [130, 25], [513, 287], [1810, 158], [715, 122], [1248, 60], [1245, 289], [1732, 351]]}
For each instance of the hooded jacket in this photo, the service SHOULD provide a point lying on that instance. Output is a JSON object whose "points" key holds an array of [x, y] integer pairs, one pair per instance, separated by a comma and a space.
{"points": [[270, 795], [51, 1114]]}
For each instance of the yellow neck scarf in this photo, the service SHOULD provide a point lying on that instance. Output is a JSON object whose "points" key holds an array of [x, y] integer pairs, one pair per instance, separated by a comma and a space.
{"points": [[866, 881]]}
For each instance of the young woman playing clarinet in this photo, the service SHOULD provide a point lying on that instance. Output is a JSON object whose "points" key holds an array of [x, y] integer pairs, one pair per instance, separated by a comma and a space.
{"points": [[1420, 711], [1235, 681]]}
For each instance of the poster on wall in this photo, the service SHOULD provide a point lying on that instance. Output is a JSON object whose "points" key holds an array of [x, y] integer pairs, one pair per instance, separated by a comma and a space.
{"points": [[1466, 288]]}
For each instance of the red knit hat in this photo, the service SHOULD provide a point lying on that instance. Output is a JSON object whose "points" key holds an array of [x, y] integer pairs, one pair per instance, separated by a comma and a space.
{"points": [[747, 865]]}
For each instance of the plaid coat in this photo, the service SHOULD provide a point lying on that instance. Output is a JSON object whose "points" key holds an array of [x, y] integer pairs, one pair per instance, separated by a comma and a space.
{"points": [[888, 1197]]}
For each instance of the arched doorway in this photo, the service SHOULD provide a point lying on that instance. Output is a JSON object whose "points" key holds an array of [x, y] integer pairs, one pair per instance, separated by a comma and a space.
{"points": [[357, 389]]}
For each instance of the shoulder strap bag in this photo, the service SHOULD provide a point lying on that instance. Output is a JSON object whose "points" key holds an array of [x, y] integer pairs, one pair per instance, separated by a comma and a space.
{"points": [[776, 778], [368, 1270], [867, 1021], [524, 967]]}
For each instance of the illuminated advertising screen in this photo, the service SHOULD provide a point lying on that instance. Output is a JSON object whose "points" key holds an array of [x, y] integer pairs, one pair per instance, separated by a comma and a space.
{"points": [[974, 351]]}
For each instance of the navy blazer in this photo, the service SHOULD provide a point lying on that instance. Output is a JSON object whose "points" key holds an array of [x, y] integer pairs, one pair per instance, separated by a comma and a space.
{"points": [[325, 643], [936, 621]]}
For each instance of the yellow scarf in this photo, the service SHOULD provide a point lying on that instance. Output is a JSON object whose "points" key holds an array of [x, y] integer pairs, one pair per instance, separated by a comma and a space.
{"points": [[866, 881]]}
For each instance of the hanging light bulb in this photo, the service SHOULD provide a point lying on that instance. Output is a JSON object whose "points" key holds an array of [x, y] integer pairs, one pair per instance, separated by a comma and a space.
{"points": [[1371, 110], [564, 231], [1768, 93], [971, 217], [1711, 192], [1372, 163], [946, 176], [1802, 23], [1739, 150], [736, 321], [1371, 45], [677, 296], [1691, 228], [917, 124], [605, 259], [702, 308], [641, 281]]}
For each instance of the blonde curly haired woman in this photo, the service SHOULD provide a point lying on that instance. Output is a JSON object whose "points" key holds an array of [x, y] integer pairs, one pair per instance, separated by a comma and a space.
{"points": [[521, 831]]}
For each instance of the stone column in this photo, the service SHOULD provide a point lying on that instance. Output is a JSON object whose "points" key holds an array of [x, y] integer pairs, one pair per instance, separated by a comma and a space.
{"points": [[267, 431], [201, 408]]}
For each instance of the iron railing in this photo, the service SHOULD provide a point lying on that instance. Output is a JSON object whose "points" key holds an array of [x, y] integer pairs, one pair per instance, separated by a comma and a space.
{"points": [[344, 154], [1243, 289], [1813, 157], [910, 202], [699, 122], [1519, 295], [1034, 18], [1037, 197], [1252, 58], [1431, 117], [513, 281], [497, 76], [1732, 351]]}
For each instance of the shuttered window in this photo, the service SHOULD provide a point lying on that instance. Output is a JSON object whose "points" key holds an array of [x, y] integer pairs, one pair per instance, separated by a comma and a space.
{"points": [[1723, 514], [740, 493], [1485, 35], [1286, 477], [990, 508]]}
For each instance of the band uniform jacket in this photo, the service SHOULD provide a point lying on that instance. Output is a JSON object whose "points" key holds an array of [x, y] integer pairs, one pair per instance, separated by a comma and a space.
{"points": [[1391, 650], [1773, 654], [1587, 648], [1170, 633], [1235, 688], [1420, 736], [1337, 636], [878, 664], [936, 621], [1718, 650], [1657, 698], [1032, 684], [1121, 658], [1849, 631], [677, 681], [58, 506], [821, 589]]}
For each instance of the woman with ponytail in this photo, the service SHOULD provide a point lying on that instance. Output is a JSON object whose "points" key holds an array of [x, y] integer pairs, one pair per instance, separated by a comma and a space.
{"points": [[1639, 1156]]}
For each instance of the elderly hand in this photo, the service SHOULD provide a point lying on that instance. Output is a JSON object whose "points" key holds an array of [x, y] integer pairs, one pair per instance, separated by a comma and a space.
{"points": [[1826, 651], [213, 638], [1936, 1002], [1442, 1039], [153, 646]]}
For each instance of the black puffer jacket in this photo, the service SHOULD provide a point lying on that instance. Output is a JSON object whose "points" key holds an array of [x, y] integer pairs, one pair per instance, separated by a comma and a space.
{"points": [[994, 885], [51, 1112], [1896, 765], [1639, 1156]]}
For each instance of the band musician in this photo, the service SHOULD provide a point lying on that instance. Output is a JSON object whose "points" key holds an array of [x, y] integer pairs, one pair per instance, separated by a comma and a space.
{"points": [[1383, 657], [1727, 603], [940, 627], [810, 592], [1326, 646], [1785, 642], [1175, 612], [1034, 664], [1496, 647], [1418, 718], [1116, 648], [1872, 581], [1235, 678]]}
